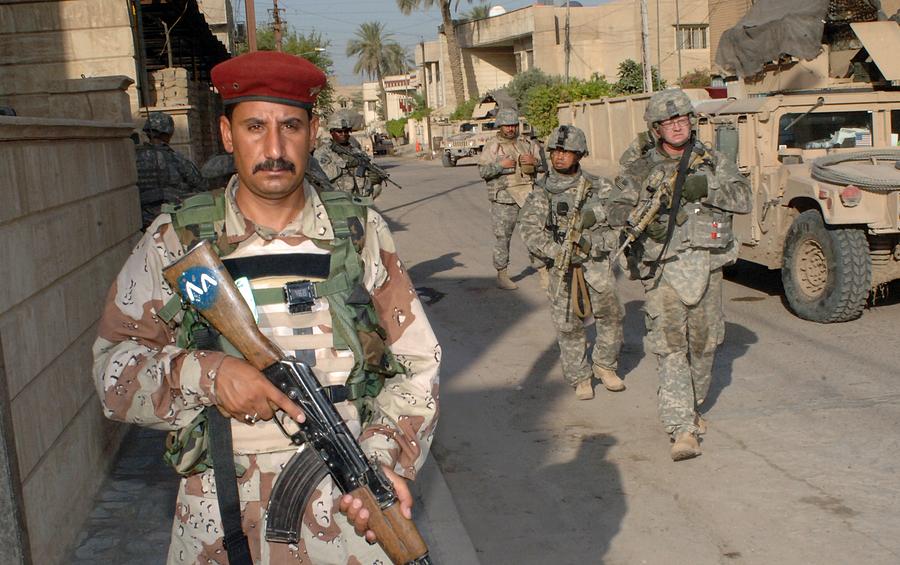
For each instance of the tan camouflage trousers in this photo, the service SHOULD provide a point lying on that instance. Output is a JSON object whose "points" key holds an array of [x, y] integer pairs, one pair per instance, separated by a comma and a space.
{"points": [[684, 339], [503, 223], [326, 535], [570, 334]]}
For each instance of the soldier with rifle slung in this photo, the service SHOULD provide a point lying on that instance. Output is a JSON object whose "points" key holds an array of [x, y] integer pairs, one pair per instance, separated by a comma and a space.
{"points": [[679, 237], [329, 303], [348, 167], [566, 222]]}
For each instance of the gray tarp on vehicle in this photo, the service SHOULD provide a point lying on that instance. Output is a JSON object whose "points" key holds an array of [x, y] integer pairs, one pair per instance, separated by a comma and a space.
{"points": [[773, 28]]}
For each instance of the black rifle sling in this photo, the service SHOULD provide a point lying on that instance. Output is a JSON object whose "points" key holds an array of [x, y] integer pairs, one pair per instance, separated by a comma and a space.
{"points": [[220, 448], [675, 204]]}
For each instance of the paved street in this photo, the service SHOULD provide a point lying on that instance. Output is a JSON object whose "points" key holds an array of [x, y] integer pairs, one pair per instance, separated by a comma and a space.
{"points": [[800, 463], [799, 466]]}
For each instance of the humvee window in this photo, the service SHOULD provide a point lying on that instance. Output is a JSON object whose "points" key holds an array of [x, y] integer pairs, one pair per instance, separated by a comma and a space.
{"points": [[825, 130]]}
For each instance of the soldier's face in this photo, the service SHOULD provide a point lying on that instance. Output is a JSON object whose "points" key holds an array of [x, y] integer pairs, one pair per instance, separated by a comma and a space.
{"points": [[341, 136], [509, 132], [674, 132], [271, 144], [564, 161]]}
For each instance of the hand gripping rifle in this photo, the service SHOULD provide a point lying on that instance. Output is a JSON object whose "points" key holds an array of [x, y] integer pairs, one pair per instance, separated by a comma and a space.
{"points": [[201, 279], [365, 164]]}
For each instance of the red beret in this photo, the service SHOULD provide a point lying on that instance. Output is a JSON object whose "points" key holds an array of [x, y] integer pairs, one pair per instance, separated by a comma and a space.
{"points": [[269, 76]]}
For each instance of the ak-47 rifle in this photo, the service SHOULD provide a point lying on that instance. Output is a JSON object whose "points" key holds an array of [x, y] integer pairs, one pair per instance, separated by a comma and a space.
{"points": [[563, 261], [660, 186], [365, 164], [201, 279]]}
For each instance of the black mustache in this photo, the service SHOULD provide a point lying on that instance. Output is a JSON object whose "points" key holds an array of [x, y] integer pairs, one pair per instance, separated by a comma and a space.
{"points": [[274, 165]]}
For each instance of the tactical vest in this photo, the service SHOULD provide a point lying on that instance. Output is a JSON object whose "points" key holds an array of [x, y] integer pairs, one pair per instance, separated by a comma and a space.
{"points": [[354, 321]]}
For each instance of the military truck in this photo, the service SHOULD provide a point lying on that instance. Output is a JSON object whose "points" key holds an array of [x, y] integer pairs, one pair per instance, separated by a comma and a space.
{"points": [[469, 141]]}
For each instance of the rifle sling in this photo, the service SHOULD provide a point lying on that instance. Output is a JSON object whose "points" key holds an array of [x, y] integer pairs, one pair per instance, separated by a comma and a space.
{"points": [[220, 448], [675, 204]]}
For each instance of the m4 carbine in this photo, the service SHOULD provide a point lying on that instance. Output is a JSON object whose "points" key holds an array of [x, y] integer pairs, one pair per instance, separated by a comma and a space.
{"points": [[365, 164], [201, 279]]}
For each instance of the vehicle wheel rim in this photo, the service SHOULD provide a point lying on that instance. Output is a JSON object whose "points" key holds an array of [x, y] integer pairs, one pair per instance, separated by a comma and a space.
{"points": [[812, 269]]}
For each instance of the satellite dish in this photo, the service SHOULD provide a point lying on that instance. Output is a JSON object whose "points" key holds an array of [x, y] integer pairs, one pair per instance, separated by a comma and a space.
{"points": [[496, 11]]}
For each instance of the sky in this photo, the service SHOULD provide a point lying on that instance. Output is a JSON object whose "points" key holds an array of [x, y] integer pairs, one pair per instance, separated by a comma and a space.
{"points": [[337, 21]]}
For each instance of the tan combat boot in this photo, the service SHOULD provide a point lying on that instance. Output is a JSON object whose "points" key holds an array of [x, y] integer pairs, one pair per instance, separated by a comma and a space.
{"points": [[504, 282], [544, 277], [584, 390], [609, 378], [700, 423], [686, 446]]}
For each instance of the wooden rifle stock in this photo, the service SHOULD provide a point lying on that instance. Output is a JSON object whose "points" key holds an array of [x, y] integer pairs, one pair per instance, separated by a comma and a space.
{"points": [[202, 280]]}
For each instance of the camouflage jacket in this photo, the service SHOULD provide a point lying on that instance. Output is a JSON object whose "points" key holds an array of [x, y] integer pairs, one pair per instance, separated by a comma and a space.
{"points": [[544, 226], [142, 377], [498, 178], [343, 171], [164, 175], [703, 239]]}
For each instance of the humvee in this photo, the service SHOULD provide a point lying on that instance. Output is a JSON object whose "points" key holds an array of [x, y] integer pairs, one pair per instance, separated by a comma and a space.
{"points": [[826, 191], [468, 142]]}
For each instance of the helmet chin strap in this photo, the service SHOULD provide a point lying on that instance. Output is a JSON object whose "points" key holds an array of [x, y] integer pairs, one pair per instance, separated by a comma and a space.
{"points": [[571, 170]]}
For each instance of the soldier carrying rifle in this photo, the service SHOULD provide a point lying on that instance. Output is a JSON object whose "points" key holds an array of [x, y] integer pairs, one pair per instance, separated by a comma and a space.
{"points": [[321, 275], [680, 236], [344, 161], [567, 222]]}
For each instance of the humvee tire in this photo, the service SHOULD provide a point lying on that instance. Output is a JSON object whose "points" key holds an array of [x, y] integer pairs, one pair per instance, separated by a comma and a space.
{"points": [[826, 272], [447, 160]]}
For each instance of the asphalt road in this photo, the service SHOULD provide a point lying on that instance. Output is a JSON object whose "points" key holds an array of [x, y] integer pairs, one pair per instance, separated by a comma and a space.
{"points": [[800, 463]]}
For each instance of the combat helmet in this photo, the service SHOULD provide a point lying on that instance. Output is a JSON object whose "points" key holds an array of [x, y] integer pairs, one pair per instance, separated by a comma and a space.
{"points": [[340, 120], [157, 122], [507, 117], [667, 104], [568, 138]]}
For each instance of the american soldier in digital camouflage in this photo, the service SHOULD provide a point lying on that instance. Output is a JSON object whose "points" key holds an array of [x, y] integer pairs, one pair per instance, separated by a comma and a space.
{"points": [[509, 165], [682, 277], [144, 377], [343, 170], [544, 220], [164, 175]]}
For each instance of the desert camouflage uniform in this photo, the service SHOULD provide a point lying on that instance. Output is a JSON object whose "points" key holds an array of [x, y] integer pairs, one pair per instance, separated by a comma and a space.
{"points": [[164, 176], [142, 377], [543, 231], [507, 189], [342, 171], [684, 311]]}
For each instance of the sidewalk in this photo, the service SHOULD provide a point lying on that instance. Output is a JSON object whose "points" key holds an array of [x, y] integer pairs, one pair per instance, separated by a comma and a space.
{"points": [[132, 516]]}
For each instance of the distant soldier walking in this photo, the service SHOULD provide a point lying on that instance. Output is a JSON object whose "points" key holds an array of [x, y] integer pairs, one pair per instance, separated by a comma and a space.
{"points": [[679, 258], [509, 165], [342, 156], [164, 175], [566, 222]]}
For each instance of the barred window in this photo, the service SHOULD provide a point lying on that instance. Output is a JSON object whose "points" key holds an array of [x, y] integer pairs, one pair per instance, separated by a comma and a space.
{"points": [[692, 36]]}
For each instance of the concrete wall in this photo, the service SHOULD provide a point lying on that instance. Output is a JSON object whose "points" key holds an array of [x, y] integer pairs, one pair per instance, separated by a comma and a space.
{"points": [[48, 40], [68, 222]]}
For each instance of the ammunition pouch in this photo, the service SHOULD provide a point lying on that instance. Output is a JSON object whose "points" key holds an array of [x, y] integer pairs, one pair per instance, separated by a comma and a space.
{"points": [[705, 229]]}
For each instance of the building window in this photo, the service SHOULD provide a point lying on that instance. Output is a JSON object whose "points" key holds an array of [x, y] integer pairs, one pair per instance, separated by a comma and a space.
{"points": [[692, 36]]}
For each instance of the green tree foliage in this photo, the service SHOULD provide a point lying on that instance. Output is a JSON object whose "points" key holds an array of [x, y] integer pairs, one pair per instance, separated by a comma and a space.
{"points": [[311, 46], [631, 78], [420, 108], [542, 100], [377, 54], [464, 110], [478, 12], [396, 128], [698, 78], [519, 86]]}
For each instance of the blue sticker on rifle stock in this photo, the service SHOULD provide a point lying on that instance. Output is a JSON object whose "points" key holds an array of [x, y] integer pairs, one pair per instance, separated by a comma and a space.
{"points": [[199, 286]]}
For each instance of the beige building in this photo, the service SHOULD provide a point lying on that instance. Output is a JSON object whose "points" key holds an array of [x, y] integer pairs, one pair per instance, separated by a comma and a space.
{"points": [[495, 49], [398, 89]]}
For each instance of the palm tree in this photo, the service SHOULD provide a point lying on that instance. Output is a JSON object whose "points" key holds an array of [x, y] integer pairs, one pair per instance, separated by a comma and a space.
{"points": [[377, 55], [478, 12], [453, 51]]}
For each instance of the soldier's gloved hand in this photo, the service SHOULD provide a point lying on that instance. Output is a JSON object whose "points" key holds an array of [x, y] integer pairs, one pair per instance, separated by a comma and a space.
{"points": [[373, 177], [588, 219], [657, 230], [695, 187]]}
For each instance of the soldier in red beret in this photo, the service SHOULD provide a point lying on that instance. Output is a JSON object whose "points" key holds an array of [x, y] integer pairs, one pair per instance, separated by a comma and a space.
{"points": [[155, 369]]}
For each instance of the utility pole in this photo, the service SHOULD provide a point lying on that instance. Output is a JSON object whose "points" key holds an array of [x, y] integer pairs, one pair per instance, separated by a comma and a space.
{"points": [[658, 41], [251, 24], [645, 47], [568, 45], [679, 38], [276, 24]]}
